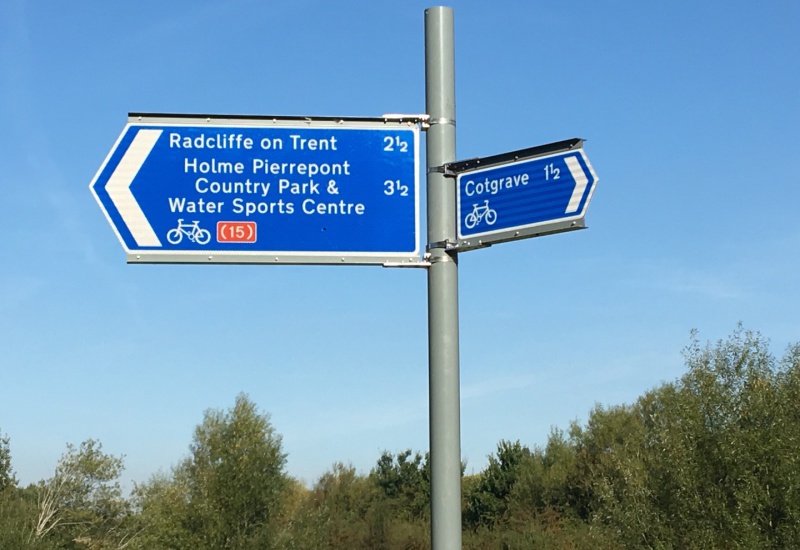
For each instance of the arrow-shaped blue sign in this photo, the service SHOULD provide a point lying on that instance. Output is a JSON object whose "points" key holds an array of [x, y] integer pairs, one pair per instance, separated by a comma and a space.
{"points": [[264, 190], [523, 194]]}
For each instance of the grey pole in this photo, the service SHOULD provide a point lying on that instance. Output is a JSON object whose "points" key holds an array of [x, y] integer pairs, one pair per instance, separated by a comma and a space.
{"points": [[445, 414]]}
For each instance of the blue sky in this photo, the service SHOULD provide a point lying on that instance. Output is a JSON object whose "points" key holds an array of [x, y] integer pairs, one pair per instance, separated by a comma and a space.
{"points": [[691, 113]]}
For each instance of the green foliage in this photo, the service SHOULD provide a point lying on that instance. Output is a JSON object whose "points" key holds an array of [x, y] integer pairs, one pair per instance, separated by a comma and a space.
{"points": [[347, 505], [550, 482], [705, 462], [82, 504], [303, 524], [235, 476], [405, 480], [228, 494], [17, 513], [17, 507], [487, 499], [7, 479], [708, 461], [386, 510], [162, 506], [546, 532]]}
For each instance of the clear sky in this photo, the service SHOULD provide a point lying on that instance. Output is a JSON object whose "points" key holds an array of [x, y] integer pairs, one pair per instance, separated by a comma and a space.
{"points": [[691, 113]]}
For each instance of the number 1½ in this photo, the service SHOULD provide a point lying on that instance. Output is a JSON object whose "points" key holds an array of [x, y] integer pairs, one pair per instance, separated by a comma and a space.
{"points": [[551, 171]]}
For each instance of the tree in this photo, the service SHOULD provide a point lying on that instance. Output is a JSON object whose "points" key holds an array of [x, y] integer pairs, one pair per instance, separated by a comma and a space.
{"points": [[83, 500], [348, 509], [487, 501], [708, 461], [7, 479], [15, 511], [405, 480], [234, 478], [728, 436], [549, 482], [161, 506]]}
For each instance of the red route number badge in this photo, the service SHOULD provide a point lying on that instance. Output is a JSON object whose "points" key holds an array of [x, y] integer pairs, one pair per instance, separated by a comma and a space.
{"points": [[236, 232]]}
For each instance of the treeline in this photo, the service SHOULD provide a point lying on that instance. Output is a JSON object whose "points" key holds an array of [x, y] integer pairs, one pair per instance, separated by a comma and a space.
{"points": [[711, 460]]}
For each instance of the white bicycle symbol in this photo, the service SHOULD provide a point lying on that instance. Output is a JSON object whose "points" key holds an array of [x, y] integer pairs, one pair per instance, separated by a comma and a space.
{"points": [[479, 213], [192, 232]]}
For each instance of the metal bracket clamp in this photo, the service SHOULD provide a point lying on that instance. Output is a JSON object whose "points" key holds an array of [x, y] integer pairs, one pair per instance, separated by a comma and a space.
{"points": [[445, 245], [428, 260], [441, 120], [427, 124], [439, 259], [443, 169], [424, 263], [415, 119]]}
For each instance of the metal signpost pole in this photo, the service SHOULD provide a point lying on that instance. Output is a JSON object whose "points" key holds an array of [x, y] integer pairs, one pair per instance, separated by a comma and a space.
{"points": [[445, 422]]}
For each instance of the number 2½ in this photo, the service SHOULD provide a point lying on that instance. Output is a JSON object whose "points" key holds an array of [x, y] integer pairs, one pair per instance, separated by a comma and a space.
{"points": [[394, 143]]}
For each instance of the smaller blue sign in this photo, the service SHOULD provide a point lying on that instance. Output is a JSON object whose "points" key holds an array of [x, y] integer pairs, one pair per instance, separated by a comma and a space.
{"points": [[524, 198]]}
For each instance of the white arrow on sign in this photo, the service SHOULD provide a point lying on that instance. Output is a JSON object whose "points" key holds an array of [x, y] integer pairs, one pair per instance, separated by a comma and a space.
{"points": [[580, 184], [119, 187]]}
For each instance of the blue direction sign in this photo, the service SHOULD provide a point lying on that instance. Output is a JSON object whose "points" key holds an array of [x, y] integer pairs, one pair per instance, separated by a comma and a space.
{"points": [[522, 194], [194, 189]]}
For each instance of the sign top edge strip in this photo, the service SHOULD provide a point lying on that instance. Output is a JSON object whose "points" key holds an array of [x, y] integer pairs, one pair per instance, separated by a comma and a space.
{"points": [[459, 167], [134, 117]]}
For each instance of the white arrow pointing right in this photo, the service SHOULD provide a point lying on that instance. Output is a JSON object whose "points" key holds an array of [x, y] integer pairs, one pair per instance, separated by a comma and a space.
{"points": [[580, 184], [119, 187]]}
